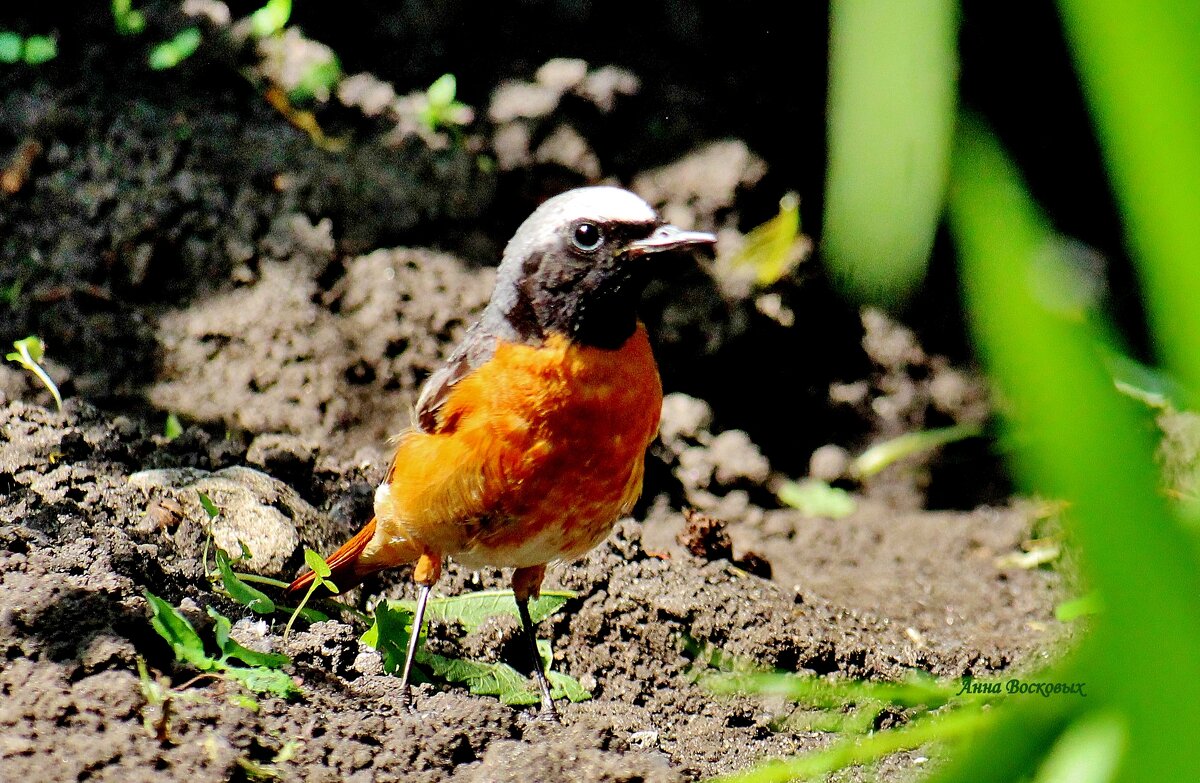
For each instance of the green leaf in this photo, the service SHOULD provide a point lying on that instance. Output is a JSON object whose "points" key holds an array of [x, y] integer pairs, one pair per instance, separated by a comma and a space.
{"points": [[173, 428], [884, 454], [317, 564], [389, 633], [474, 609], [268, 660], [246, 595], [126, 19], [210, 507], [11, 45], [262, 680], [221, 627], [441, 93], [169, 54], [40, 49], [1075, 608], [172, 626], [771, 248], [817, 499], [271, 18], [29, 353], [566, 686], [31, 345], [484, 679], [317, 81], [891, 107]]}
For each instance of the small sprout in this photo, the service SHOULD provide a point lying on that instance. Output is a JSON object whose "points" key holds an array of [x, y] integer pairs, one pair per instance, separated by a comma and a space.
{"points": [[884, 454], [169, 54], [441, 110], [127, 20], [271, 18], [28, 354], [322, 572], [213, 512], [173, 428], [817, 499], [210, 507]]}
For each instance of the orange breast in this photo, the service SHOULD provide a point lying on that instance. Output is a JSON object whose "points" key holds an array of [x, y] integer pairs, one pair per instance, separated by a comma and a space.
{"points": [[546, 451]]}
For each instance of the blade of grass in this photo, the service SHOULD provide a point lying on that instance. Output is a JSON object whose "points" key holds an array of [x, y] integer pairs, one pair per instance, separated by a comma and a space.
{"points": [[853, 751], [1141, 77], [1084, 442], [892, 79]]}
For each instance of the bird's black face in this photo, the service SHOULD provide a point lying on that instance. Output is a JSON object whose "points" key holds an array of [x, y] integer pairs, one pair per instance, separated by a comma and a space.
{"points": [[579, 270]]}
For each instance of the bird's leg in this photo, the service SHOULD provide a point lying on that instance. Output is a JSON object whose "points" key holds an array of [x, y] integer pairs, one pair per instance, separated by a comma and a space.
{"points": [[426, 573], [527, 583]]}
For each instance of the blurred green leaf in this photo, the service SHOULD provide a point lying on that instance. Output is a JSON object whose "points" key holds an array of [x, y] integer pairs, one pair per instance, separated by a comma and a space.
{"points": [[246, 595], [317, 81], [817, 499], [892, 84], [169, 54], [1141, 77], [857, 750], [772, 249], [126, 19], [177, 630], [1075, 608], [1081, 441], [40, 49], [271, 18], [11, 46], [1089, 751], [881, 455], [441, 92], [172, 429], [920, 690]]}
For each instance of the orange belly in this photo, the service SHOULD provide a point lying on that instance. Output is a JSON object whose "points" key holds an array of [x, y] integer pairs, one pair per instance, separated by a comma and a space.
{"points": [[542, 450]]}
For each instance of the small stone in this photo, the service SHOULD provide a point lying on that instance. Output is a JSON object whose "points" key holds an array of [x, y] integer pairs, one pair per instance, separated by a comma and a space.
{"points": [[828, 463]]}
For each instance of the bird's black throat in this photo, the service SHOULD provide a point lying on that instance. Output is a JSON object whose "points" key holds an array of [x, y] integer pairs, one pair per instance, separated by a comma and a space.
{"points": [[594, 305]]}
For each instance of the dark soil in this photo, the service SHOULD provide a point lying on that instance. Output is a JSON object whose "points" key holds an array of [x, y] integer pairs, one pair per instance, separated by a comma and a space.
{"points": [[182, 248]]}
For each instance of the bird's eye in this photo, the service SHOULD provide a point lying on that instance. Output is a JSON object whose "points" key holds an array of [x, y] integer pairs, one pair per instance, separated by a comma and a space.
{"points": [[587, 237]]}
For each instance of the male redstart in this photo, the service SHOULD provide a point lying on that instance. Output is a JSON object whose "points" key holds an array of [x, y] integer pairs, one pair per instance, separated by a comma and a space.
{"points": [[530, 443]]}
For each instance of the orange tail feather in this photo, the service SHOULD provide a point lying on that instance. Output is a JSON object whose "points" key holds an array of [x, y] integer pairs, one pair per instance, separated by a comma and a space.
{"points": [[346, 564]]}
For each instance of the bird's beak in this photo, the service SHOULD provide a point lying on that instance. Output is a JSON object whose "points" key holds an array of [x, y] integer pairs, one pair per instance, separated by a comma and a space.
{"points": [[668, 237]]}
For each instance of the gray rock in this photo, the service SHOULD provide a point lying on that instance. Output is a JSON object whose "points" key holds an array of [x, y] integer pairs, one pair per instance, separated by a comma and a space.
{"points": [[256, 510]]}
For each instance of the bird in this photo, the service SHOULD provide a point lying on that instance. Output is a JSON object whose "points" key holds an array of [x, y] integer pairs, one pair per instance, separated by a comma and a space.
{"points": [[529, 443]]}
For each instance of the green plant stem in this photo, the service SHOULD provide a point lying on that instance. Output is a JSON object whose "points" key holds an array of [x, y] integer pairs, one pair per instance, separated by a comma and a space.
{"points": [[953, 725], [287, 629], [262, 580]]}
